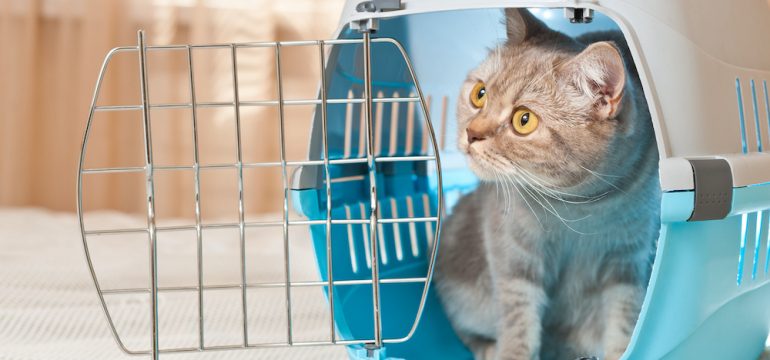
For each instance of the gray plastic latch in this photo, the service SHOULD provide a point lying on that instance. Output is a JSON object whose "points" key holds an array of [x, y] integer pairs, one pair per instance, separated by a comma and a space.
{"points": [[713, 189], [371, 6], [579, 15]]}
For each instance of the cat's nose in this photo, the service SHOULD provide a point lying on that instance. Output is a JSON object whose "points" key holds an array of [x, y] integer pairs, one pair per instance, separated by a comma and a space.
{"points": [[474, 135]]}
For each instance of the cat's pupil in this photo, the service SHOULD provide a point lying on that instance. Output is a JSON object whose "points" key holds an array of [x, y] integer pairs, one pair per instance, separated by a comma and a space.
{"points": [[481, 93], [524, 119]]}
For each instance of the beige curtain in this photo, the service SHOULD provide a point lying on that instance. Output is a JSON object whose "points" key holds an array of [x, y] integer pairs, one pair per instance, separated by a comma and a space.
{"points": [[52, 51]]}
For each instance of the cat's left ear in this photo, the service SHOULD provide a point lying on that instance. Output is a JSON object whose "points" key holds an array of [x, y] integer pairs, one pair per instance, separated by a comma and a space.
{"points": [[598, 72], [521, 25]]}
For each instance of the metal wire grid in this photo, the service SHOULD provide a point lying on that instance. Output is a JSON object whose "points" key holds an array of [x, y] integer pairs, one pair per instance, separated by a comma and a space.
{"points": [[371, 160]]}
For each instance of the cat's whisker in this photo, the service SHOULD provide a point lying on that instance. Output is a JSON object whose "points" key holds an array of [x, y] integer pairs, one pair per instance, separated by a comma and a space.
{"points": [[553, 210], [539, 192], [506, 195], [509, 194], [537, 187], [531, 209], [553, 189], [528, 190], [533, 192], [556, 194], [589, 199], [497, 187], [602, 179], [562, 219], [546, 183], [601, 174], [540, 187], [497, 174]]}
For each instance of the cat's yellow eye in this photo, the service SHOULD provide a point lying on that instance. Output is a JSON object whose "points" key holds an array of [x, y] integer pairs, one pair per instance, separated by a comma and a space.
{"points": [[479, 95], [524, 121]]}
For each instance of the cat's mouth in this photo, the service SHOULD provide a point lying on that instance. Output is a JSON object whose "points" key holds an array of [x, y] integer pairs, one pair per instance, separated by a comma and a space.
{"points": [[481, 164]]}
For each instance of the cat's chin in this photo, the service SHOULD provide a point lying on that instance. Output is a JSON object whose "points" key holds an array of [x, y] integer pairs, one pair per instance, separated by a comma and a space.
{"points": [[481, 171]]}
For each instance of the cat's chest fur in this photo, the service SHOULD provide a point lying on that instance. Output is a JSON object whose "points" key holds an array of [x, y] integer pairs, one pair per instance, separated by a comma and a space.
{"points": [[581, 246], [573, 260]]}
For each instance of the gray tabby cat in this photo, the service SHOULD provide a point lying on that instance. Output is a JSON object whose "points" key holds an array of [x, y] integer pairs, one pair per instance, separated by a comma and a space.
{"points": [[549, 258]]}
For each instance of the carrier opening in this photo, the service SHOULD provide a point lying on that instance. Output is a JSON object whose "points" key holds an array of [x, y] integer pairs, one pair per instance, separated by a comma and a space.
{"points": [[442, 57]]}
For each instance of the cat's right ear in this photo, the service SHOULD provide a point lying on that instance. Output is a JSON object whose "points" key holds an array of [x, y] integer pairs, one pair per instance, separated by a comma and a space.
{"points": [[521, 25], [599, 73]]}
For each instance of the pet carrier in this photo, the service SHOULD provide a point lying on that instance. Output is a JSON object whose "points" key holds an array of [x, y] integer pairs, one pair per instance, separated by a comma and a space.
{"points": [[378, 179]]}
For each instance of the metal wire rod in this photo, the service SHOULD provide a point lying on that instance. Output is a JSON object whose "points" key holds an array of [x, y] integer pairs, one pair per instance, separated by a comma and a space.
{"points": [[198, 222], [114, 170], [374, 203], [381, 159], [439, 190], [285, 180], [328, 187], [79, 203], [241, 210], [263, 285], [251, 346], [103, 232], [265, 44], [150, 192], [255, 103]]}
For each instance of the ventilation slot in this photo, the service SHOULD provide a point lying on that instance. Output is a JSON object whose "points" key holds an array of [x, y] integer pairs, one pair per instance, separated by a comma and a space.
{"points": [[754, 243], [746, 125], [403, 233], [754, 107], [744, 146], [757, 244], [767, 109], [744, 230], [397, 131]]}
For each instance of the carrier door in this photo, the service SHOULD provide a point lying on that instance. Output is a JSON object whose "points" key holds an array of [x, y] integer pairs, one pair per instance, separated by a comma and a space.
{"points": [[361, 208]]}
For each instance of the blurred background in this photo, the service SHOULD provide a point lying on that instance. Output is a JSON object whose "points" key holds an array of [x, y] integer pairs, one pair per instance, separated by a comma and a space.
{"points": [[52, 53]]}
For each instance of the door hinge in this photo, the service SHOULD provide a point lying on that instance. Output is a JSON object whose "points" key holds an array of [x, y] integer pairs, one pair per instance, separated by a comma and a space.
{"points": [[372, 6], [713, 180]]}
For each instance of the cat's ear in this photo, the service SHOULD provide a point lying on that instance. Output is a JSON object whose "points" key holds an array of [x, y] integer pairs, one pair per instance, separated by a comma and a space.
{"points": [[598, 72], [521, 25]]}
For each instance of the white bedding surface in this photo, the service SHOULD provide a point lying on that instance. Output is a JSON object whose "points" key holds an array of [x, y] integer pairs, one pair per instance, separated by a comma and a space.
{"points": [[49, 308]]}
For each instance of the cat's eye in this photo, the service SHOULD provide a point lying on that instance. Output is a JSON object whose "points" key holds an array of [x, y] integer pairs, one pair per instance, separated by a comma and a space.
{"points": [[479, 95], [524, 121]]}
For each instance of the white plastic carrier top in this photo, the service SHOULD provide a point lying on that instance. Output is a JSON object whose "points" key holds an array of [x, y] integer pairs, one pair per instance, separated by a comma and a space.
{"points": [[703, 103]]}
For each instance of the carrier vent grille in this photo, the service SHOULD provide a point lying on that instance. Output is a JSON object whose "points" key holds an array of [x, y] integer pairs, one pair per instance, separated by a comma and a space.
{"points": [[754, 254], [395, 126], [755, 126], [398, 240]]}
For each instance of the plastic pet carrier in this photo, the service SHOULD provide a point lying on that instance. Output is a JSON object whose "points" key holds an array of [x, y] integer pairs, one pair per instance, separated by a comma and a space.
{"points": [[383, 170]]}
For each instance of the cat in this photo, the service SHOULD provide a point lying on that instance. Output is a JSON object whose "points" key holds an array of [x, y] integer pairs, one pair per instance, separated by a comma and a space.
{"points": [[550, 256]]}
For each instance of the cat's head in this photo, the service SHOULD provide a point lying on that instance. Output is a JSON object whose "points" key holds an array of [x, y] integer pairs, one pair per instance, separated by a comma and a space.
{"points": [[541, 106]]}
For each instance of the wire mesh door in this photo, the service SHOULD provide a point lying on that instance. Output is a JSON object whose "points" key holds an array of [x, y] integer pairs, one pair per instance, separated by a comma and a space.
{"points": [[317, 199]]}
